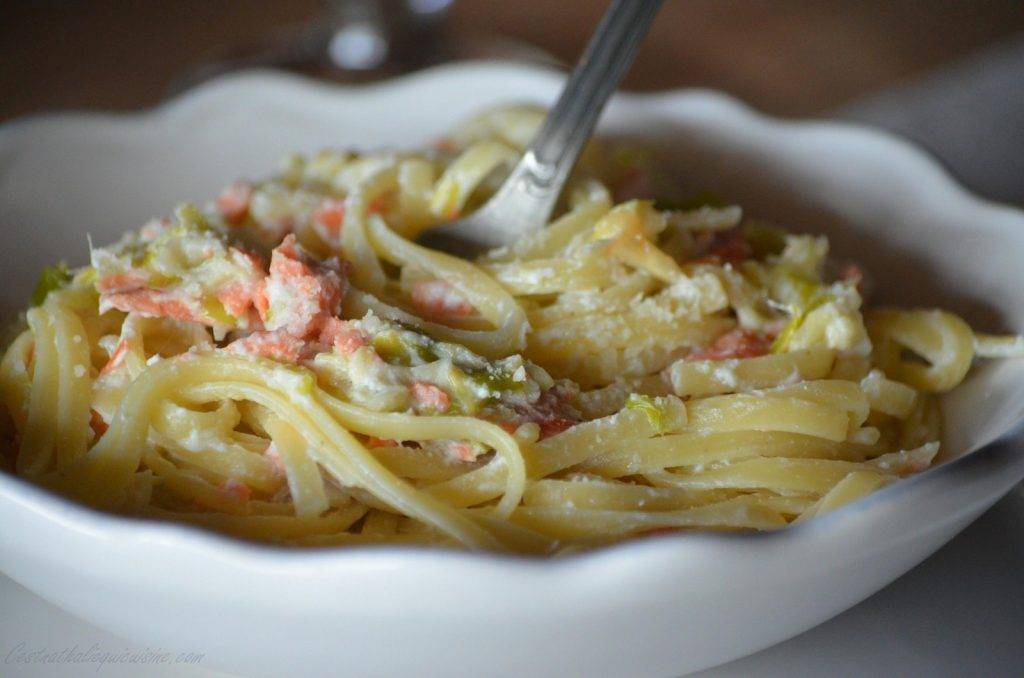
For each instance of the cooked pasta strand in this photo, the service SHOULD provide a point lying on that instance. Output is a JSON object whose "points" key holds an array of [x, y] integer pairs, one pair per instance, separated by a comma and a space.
{"points": [[289, 365]]}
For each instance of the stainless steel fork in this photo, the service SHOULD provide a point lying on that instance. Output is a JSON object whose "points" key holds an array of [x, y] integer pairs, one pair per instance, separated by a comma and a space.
{"points": [[525, 201]]}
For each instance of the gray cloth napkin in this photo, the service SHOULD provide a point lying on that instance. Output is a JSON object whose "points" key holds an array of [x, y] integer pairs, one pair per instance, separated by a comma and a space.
{"points": [[970, 115]]}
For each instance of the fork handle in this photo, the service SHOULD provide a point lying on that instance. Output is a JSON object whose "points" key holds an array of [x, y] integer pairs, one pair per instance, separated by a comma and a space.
{"points": [[536, 182]]}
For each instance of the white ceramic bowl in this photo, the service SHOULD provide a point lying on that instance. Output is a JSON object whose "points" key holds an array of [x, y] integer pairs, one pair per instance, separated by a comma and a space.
{"points": [[657, 607]]}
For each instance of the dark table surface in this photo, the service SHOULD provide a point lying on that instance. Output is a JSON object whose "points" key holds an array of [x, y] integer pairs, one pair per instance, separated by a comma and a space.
{"points": [[794, 57]]}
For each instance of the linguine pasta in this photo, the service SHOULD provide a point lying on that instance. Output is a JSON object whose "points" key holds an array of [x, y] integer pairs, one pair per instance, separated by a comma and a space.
{"points": [[288, 365]]}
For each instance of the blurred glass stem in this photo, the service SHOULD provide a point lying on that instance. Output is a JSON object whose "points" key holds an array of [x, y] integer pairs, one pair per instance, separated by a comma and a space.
{"points": [[364, 40], [349, 40], [360, 40]]}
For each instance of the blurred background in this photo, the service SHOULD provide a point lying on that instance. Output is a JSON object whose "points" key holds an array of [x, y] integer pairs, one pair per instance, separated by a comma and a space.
{"points": [[947, 72], [795, 57]]}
